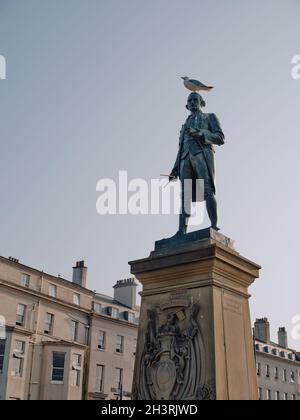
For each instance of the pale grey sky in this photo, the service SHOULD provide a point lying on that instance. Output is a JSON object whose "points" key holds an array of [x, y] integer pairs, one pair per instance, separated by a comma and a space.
{"points": [[93, 88]]}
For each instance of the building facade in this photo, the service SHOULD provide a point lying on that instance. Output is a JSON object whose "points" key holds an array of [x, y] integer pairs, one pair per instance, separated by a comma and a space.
{"points": [[278, 366], [60, 340]]}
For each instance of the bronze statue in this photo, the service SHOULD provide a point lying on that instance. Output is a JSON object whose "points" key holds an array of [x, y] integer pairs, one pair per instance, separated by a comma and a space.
{"points": [[195, 159]]}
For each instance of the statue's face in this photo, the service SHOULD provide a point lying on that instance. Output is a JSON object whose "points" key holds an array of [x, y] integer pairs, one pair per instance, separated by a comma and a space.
{"points": [[193, 103]]}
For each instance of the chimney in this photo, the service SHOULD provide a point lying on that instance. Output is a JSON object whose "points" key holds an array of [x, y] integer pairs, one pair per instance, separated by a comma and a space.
{"points": [[282, 338], [79, 274], [125, 292], [262, 330]]}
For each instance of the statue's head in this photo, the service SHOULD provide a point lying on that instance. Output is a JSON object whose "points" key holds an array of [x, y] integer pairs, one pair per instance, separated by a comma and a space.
{"points": [[195, 102]]}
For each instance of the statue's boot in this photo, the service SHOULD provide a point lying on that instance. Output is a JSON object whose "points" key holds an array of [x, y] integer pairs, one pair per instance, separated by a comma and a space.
{"points": [[183, 220]]}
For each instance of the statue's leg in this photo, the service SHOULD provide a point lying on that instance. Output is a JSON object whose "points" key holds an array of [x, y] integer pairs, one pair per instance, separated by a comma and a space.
{"points": [[201, 170], [186, 173], [212, 209]]}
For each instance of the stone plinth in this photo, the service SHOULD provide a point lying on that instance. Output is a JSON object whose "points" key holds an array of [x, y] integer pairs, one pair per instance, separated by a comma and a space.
{"points": [[195, 339]]}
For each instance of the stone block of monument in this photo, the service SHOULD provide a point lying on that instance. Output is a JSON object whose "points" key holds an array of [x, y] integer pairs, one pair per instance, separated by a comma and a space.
{"points": [[195, 338]]}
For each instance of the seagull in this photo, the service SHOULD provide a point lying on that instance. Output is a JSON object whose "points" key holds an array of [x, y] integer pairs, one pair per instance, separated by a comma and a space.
{"points": [[195, 85]]}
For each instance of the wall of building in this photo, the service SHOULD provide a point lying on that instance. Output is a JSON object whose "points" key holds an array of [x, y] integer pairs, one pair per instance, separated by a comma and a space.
{"points": [[109, 357], [272, 383], [35, 382]]}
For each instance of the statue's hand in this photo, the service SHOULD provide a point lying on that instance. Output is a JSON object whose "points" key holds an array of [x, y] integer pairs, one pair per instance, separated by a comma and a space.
{"points": [[173, 175], [204, 132], [193, 132]]}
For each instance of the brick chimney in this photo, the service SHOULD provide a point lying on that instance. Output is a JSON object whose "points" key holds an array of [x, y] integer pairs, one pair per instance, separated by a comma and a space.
{"points": [[282, 338], [125, 292], [79, 274], [262, 330]]}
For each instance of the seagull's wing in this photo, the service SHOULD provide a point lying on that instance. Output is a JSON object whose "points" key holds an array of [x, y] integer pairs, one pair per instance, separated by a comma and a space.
{"points": [[197, 83]]}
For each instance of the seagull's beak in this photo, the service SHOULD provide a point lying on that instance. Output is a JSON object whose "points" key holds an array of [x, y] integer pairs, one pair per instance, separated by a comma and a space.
{"points": [[182, 78]]}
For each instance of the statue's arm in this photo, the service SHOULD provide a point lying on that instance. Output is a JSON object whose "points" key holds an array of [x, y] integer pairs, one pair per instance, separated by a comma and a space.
{"points": [[215, 135]]}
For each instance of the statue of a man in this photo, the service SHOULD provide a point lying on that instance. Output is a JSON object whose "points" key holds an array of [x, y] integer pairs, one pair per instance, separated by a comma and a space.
{"points": [[195, 159]]}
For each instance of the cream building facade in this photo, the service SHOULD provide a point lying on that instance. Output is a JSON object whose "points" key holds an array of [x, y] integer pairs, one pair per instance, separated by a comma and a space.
{"points": [[278, 366], [62, 341]]}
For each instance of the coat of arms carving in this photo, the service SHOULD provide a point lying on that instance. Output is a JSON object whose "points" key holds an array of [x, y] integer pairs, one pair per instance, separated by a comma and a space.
{"points": [[173, 360]]}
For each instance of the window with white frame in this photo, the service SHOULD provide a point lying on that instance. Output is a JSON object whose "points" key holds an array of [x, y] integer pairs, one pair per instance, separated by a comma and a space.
{"points": [[115, 312], [131, 317], [76, 370], [2, 354], [53, 290], [276, 373], [18, 358], [120, 344], [76, 299], [25, 280], [21, 313], [74, 330], [293, 377], [269, 395], [99, 385], [101, 340], [97, 308], [260, 393], [49, 323], [268, 371], [284, 375], [58, 367], [285, 396], [277, 396], [258, 369], [118, 378]]}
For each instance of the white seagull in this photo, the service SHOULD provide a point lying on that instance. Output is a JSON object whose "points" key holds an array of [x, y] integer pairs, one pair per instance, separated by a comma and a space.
{"points": [[195, 85]]}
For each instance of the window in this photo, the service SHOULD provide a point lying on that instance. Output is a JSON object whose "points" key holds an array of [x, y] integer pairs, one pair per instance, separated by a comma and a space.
{"points": [[74, 330], [76, 299], [284, 375], [277, 396], [25, 279], [118, 378], [58, 367], [53, 290], [285, 396], [293, 377], [97, 308], [276, 373], [18, 358], [260, 393], [269, 395], [49, 323], [76, 370], [101, 340], [86, 334], [258, 369], [2, 353], [99, 378], [115, 313], [294, 397], [21, 311], [131, 317], [268, 371], [120, 344]]}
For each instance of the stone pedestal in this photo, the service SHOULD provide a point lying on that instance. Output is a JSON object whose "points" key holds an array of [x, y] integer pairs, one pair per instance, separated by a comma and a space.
{"points": [[195, 340]]}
